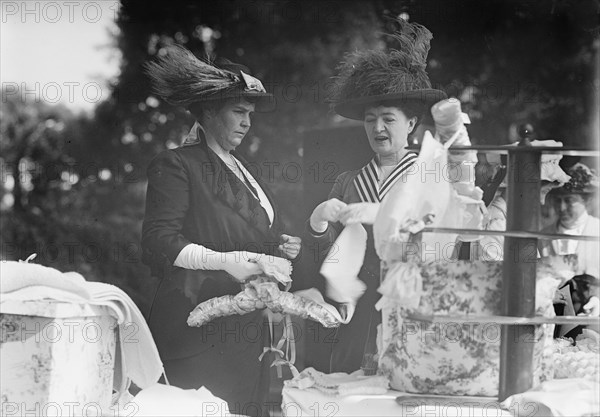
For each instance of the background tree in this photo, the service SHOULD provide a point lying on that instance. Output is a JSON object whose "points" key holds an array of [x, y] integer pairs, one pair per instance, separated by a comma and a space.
{"points": [[516, 61], [59, 202]]}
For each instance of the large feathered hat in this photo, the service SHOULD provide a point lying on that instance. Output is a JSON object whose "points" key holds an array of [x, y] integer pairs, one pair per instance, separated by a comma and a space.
{"points": [[181, 79], [394, 76]]}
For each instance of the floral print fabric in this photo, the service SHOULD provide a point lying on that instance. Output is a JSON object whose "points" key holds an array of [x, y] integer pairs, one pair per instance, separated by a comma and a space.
{"points": [[462, 357]]}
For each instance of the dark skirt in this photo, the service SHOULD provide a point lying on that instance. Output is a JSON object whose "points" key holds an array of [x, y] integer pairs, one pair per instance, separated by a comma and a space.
{"points": [[223, 355], [246, 393]]}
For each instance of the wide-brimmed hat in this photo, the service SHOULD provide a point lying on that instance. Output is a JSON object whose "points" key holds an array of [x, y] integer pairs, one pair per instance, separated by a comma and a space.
{"points": [[393, 76], [550, 170], [583, 181], [552, 175], [181, 79]]}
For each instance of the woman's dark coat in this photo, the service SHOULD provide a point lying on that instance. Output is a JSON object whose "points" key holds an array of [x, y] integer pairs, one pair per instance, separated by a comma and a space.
{"points": [[193, 197]]}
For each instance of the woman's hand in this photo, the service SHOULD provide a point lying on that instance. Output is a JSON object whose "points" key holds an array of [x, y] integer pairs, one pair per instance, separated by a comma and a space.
{"points": [[559, 298], [327, 211], [240, 266], [290, 246], [359, 213], [591, 308]]}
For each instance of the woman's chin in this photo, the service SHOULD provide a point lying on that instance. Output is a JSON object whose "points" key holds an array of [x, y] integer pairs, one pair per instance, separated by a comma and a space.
{"points": [[234, 143], [381, 147], [566, 221]]}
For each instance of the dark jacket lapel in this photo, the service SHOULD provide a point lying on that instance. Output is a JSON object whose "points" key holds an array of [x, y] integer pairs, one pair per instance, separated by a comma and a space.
{"points": [[275, 226], [231, 190], [227, 187]]}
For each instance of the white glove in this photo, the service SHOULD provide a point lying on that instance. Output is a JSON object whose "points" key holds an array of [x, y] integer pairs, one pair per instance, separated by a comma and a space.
{"points": [[327, 211], [359, 213], [591, 308], [239, 264]]}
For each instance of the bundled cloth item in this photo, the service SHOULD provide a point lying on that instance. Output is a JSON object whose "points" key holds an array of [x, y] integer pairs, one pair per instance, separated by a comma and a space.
{"points": [[339, 383], [441, 187], [161, 400], [579, 359], [263, 292], [561, 398], [139, 362], [19, 275], [258, 294], [435, 202], [550, 168], [450, 130]]}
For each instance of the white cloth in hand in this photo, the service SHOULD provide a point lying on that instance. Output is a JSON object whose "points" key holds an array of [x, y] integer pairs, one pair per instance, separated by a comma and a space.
{"points": [[364, 213], [327, 211], [342, 265]]}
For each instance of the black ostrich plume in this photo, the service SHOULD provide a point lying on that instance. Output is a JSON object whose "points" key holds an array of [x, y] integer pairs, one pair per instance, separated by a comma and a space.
{"points": [[181, 79], [377, 72]]}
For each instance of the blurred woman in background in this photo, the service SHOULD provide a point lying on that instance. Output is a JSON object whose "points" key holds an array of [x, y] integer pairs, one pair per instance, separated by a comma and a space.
{"points": [[572, 203]]}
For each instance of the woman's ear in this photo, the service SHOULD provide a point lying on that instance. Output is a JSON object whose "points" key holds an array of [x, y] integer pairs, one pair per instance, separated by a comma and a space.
{"points": [[412, 122]]}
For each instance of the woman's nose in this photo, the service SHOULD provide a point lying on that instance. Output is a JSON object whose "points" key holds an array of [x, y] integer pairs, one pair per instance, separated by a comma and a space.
{"points": [[563, 206], [246, 121], [379, 126]]}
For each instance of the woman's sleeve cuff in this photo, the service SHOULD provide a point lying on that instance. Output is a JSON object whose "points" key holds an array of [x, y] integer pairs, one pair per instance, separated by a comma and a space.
{"points": [[315, 233]]}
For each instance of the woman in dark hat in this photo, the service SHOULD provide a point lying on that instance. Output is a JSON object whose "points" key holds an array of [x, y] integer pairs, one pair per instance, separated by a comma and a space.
{"points": [[206, 218], [390, 92], [572, 204]]}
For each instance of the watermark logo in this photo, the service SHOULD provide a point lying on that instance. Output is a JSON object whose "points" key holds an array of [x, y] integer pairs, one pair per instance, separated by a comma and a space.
{"points": [[57, 11], [53, 92]]}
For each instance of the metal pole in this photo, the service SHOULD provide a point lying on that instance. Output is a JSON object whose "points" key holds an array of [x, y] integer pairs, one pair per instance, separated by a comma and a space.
{"points": [[519, 269]]}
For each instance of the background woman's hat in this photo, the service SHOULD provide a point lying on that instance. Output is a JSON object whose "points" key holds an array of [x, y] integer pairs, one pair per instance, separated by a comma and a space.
{"points": [[583, 181], [181, 79], [395, 76]]}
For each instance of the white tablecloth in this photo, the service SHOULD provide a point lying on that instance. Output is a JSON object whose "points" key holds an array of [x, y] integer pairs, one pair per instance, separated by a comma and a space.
{"points": [[312, 403]]}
